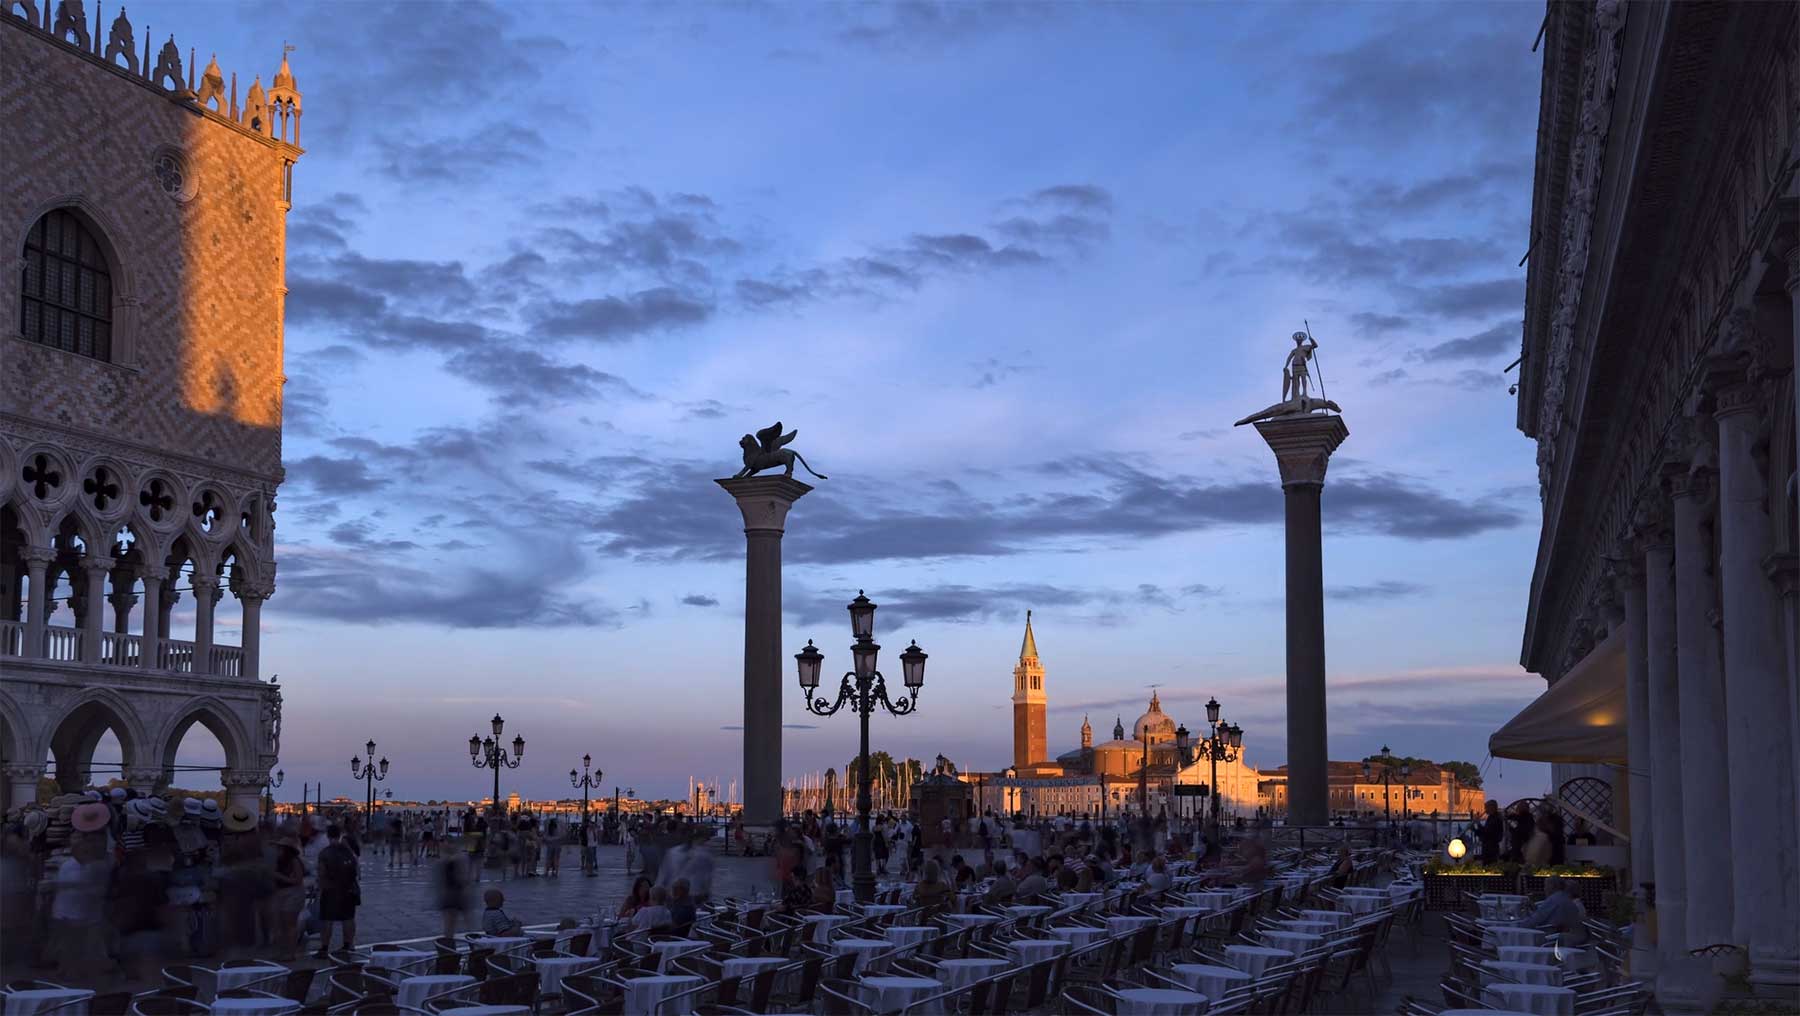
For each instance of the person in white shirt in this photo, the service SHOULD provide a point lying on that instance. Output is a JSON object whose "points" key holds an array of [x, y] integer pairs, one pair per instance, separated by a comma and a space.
{"points": [[673, 862], [697, 869], [656, 915]]}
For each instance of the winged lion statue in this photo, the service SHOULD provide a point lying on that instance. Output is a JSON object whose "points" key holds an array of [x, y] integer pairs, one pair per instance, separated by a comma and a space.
{"points": [[764, 451]]}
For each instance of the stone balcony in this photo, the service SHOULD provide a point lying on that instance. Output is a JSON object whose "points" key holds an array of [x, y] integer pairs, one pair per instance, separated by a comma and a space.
{"points": [[68, 645]]}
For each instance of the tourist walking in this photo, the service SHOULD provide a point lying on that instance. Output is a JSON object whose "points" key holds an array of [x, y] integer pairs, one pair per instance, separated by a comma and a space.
{"points": [[340, 891]]}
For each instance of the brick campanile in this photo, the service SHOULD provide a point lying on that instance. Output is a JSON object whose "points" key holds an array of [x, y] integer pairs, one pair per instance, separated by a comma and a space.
{"points": [[1030, 739]]}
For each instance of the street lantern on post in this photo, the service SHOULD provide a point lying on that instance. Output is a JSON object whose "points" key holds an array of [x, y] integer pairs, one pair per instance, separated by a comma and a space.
{"points": [[585, 782], [270, 782], [1387, 771], [1223, 746], [863, 688], [489, 753], [366, 771]]}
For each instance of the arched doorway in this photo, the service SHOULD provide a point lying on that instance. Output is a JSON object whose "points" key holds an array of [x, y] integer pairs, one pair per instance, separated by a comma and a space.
{"points": [[92, 744]]}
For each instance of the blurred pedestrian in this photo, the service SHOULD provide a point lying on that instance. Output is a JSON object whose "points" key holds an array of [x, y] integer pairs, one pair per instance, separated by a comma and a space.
{"points": [[339, 891]]}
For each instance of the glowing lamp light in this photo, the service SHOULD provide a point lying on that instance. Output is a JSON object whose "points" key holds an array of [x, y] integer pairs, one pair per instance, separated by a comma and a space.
{"points": [[1456, 850]]}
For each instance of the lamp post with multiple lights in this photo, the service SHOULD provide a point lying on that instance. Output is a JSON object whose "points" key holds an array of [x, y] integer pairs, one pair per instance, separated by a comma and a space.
{"points": [[584, 782], [365, 771], [1223, 746], [863, 688], [488, 752]]}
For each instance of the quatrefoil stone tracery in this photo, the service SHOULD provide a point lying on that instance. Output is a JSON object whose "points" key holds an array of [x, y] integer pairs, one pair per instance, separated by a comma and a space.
{"points": [[41, 475], [102, 487], [158, 502]]}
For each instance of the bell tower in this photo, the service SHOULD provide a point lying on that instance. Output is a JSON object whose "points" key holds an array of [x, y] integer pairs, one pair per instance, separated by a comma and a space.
{"points": [[1030, 738]]}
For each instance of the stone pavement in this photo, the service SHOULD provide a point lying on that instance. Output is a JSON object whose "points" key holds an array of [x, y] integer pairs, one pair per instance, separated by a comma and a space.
{"points": [[402, 904]]}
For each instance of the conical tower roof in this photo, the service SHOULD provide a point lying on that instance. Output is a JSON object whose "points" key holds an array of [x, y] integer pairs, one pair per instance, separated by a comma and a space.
{"points": [[1028, 648], [284, 76]]}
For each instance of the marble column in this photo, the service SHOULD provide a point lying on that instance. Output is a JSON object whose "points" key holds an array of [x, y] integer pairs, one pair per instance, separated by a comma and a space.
{"points": [[206, 596], [94, 569], [1629, 571], [1793, 291], [1661, 678], [252, 598], [1303, 444], [150, 653], [1759, 714], [1706, 814], [245, 787], [21, 781], [764, 502], [37, 567]]}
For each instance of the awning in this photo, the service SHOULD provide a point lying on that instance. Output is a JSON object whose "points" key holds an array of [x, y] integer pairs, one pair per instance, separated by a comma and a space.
{"points": [[1580, 718]]}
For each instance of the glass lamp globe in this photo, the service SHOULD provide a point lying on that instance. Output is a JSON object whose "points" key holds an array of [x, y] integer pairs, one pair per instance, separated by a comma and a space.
{"points": [[1456, 849], [474, 746], [809, 660], [1212, 710], [912, 663], [862, 616]]}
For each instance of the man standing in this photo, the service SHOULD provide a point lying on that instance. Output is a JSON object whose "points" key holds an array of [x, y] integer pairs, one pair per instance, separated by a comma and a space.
{"points": [[339, 891]]}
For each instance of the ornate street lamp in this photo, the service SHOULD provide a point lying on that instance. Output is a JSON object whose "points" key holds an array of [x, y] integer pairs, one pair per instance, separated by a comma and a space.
{"points": [[489, 753], [270, 782], [1387, 772], [365, 771], [863, 688], [1222, 746], [585, 782]]}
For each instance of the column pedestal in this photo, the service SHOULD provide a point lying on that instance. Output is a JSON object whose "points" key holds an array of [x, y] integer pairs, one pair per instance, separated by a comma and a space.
{"points": [[764, 502], [1303, 444]]}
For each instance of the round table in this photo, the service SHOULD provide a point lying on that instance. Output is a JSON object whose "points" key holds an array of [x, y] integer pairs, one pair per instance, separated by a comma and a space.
{"points": [[1215, 982], [883, 909], [818, 925], [1540, 999], [1025, 911], [489, 1010], [413, 991], [502, 945], [1495, 935], [891, 994], [1567, 956], [1079, 935], [845, 897], [967, 920], [1335, 918], [1495, 971], [31, 1001], [962, 973], [1256, 958], [258, 1005], [644, 995], [552, 970], [1212, 899], [670, 949], [749, 966], [1081, 899], [402, 961], [1159, 1002], [1031, 950], [1362, 904], [909, 936], [1499, 906], [1125, 924], [1296, 942], [866, 949], [228, 978]]}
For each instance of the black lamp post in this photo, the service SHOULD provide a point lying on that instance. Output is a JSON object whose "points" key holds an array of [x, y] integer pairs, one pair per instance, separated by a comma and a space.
{"points": [[585, 782], [365, 771], [863, 688], [1223, 746], [270, 782], [1387, 770], [488, 752]]}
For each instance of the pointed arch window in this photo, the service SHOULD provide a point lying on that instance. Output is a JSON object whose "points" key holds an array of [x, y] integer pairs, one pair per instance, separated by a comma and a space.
{"points": [[66, 294]]}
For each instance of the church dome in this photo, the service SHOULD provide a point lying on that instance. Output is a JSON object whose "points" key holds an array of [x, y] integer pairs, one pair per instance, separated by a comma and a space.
{"points": [[1155, 725]]}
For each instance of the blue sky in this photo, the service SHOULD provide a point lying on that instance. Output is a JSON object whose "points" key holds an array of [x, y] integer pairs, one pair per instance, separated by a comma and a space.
{"points": [[1011, 270]]}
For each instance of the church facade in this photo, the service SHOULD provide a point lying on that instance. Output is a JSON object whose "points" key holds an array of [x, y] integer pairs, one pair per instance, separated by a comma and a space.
{"points": [[140, 400]]}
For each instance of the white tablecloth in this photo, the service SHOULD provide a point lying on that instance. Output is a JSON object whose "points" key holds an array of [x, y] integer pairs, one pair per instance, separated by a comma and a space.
{"points": [[1362, 904], [1031, 950], [962, 973], [1126, 924], [503, 945], [882, 909], [1295, 942], [35, 1000], [1079, 934], [891, 994], [1493, 971], [210, 982], [846, 897], [1215, 982], [968, 920], [259, 1006], [1567, 957], [1499, 906], [552, 970], [1335, 918], [415, 990], [1212, 899], [865, 949], [667, 951], [1364, 890], [644, 995], [1081, 899], [1256, 958], [1159, 1002], [818, 926], [1541, 999], [1308, 927], [1023, 911], [1494, 936], [749, 966], [403, 961], [493, 1010], [909, 935]]}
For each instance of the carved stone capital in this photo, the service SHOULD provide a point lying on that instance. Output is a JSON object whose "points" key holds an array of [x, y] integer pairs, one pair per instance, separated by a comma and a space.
{"points": [[764, 500], [1650, 526], [1683, 480], [200, 580], [1303, 445], [97, 564], [1783, 569], [256, 778], [38, 555], [15, 772], [1607, 602]]}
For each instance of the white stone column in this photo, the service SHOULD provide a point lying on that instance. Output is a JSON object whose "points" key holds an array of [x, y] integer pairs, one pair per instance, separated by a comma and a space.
{"points": [[1759, 710], [206, 596], [1665, 734], [1706, 804], [1629, 571], [37, 566], [94, 569], [252, 599], [21, 781], [764, 502], [245, 787], [150, 655]]}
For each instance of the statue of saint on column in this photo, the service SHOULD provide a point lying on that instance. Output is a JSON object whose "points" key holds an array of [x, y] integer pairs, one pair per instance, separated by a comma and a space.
{"points": [[1296, 384]]}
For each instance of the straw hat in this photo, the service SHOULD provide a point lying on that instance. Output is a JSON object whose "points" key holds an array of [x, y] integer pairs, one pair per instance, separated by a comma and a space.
{"points": [[239, 819], [91, 817]]}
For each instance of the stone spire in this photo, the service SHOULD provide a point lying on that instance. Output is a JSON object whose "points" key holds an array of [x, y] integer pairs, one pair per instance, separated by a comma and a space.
{"points": [[1118, 728], [1028, 648], [1087, 733]]}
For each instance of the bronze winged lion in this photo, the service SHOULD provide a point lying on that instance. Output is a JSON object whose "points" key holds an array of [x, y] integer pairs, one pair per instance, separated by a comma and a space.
{"points": [[765, 451]]}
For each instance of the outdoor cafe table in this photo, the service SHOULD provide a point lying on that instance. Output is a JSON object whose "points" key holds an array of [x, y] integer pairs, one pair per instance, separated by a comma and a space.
{"points": [[1023, 911], [30, 1001], [672, 948], [255, 1005], [1031, 950], [908, 936], [1212, 899], [1211, 980], [1362, 904], [970, 920], [1308, 927], [882, 909], [1078, 934], [210, 982], [1500, 906], [502, 945], [644, 995], [1124, 924], [749, 966], [1495, 935], [964, 972], [1539, 999], [1335, 918], [1184, 912], [402, 961], [866, 949], [846, 897], [1363, 890], [415, 990], [819, 925], [886, 993], [1159, 1002], [1494, 971], [1295, 942], [1569, 957], [490, 1010], [1256, 958], [552, 970], [1081, 899]]}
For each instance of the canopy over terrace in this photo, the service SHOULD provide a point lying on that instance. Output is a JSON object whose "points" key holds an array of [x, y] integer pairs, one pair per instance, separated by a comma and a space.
{"points": [[1580, 718]]}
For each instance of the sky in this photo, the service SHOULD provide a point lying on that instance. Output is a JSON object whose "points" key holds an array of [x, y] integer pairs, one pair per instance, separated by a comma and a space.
{"points": [[1011, 270]]}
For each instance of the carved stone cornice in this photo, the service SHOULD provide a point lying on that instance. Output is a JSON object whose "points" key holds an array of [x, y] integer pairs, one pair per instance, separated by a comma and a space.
{"points": [[90, 443], [764, 500]]}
